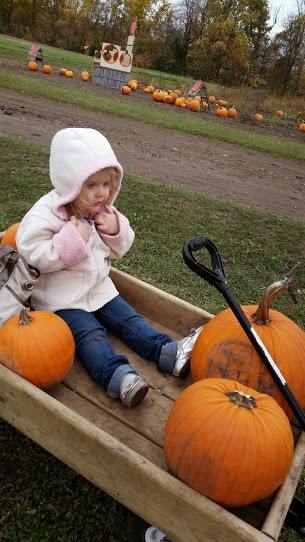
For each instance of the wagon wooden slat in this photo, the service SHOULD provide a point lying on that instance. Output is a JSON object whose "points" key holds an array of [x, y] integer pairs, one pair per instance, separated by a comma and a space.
{"points": [[121, 450]]}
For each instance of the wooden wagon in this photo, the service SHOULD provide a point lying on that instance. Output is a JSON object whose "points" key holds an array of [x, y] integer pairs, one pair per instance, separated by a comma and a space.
{"points": [[120, 450]]}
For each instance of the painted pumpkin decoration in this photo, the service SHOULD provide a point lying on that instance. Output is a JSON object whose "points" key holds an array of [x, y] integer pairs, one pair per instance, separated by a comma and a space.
{"points": [[228, 442], [232, 113], [69, 73], [62, 71], [302, 127], [32, 66], [125, 90], [38, 346], [194, 105], [9, 237], [223, 349], [222, 112], [46, 68]]}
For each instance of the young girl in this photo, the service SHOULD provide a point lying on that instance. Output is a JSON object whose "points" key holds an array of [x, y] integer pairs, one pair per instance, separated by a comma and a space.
{"points": [[70, 235]]}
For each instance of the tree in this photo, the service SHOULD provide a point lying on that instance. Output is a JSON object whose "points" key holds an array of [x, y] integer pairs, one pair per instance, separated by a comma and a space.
{"points": [[221, 54], [287, 52]]}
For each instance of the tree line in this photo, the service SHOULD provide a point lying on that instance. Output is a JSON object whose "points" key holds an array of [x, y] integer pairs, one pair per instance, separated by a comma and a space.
{"points": [[226, 41]]}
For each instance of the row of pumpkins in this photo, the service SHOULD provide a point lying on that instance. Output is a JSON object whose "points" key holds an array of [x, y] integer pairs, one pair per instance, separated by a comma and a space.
{"points": [[175, 97], [32, 66], [228, 434]]}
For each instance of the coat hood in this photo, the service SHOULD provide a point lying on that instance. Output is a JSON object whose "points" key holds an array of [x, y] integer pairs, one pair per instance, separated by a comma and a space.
{"points": [[75, 154]]}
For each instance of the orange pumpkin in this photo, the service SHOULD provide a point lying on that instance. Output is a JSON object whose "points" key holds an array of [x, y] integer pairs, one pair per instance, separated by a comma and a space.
{"points": [[222, 112], [151, 89], [258, 117], [279, 113], [32, 66], [194, 106], [174, 97], [212, 99], [62, 71], [232, 113], [46, 68], [302, 127], [38, 346], [223, 349], [9, 238], [158, 95], [222, 103], [134, 85], [168, 99], [125, 90], [69, 73], [146, 90], [228, 442]]}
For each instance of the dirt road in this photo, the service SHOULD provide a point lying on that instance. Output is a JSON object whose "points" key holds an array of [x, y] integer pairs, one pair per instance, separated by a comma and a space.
{"points": [[219, 170]]}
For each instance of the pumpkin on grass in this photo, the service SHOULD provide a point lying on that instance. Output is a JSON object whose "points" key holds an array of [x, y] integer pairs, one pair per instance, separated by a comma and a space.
{"points": [[46, 68], [228, 442], [9, 237], [125, 89], [38, 346], [222, 112], [32, 66], [223, 349], [195, 105]]}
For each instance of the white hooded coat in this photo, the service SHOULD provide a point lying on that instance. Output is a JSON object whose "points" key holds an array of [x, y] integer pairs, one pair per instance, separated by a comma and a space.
{"points": [[74, 273]]}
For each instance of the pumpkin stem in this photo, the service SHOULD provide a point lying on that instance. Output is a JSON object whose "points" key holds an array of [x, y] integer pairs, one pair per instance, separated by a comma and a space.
{"points": [[240, 399], [24, 318], [261, 315]]}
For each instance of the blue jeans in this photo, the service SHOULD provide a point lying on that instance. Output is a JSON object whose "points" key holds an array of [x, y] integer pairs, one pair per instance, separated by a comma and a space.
{"points": [[96, 353]]}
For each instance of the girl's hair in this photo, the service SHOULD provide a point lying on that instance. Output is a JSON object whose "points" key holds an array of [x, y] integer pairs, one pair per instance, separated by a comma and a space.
{"points": [[77, 206]]}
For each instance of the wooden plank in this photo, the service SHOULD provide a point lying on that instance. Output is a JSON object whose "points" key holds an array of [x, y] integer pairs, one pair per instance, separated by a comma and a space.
{"points": [[148, 419], [109, 424], [134, 481], [279, 508]]}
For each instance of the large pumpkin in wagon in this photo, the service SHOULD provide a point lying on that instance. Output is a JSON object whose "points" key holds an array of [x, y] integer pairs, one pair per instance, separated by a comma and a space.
{"points": [[38, 346], [228, 442], [223, 349]]}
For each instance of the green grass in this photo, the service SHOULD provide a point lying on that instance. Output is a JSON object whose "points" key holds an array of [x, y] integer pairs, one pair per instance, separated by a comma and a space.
{"points": [[156, 114], [43, 500]]}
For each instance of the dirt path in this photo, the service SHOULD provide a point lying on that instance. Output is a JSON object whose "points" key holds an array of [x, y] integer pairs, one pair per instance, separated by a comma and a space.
{"points": [[219, 170]]}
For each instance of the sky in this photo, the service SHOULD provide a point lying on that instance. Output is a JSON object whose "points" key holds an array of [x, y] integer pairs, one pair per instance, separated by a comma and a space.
{"points": [[287, 7]]}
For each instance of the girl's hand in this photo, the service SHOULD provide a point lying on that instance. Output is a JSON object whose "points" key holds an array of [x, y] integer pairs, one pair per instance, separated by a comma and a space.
{"points": [[107, 221], [82, 227]]}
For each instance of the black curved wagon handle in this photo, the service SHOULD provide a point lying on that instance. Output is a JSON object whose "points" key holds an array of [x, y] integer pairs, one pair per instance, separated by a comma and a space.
{"points": [[216, 277]]}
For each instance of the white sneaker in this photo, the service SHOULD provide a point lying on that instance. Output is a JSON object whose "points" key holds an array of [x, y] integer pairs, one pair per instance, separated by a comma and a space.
{"points": [[185, 347], [132, 390]]}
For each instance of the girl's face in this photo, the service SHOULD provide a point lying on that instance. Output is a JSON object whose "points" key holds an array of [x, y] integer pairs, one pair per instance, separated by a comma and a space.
{"points": [[96, 191]]}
